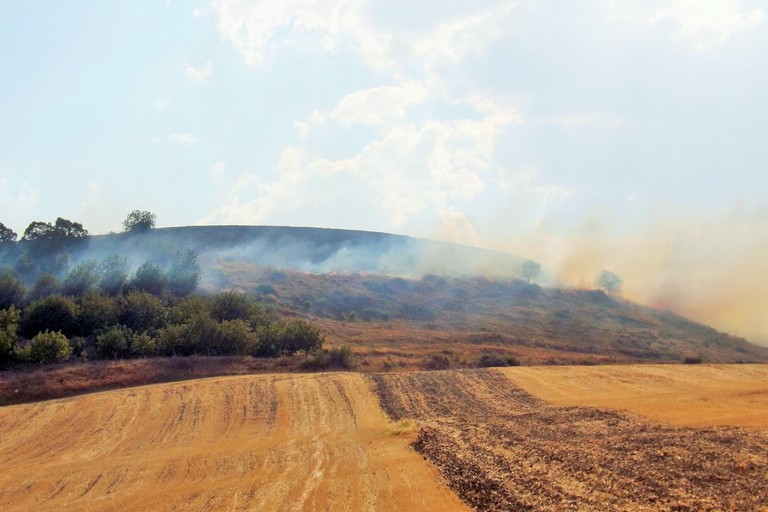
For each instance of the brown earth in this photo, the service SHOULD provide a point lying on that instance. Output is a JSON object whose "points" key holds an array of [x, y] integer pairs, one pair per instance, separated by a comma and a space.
{"points": [[693, 395], [269, 442], [503, 449]]}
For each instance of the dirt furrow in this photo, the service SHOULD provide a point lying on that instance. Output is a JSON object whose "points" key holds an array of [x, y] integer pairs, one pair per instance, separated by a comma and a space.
{"points": [[502, 449]]}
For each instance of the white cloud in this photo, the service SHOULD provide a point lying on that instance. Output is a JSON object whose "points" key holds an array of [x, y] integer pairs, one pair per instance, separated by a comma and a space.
{"points": [[162, 103], [707, 23], [186, 139], [588, 119], [378, 105], [217, 171], [199, 75]]}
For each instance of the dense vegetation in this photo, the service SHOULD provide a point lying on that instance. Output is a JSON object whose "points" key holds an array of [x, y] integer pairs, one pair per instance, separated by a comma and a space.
{"points": [[52, 309]]}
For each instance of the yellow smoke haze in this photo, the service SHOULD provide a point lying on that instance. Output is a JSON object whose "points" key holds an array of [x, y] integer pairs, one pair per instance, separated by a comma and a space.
{"points": [[713, 270]]}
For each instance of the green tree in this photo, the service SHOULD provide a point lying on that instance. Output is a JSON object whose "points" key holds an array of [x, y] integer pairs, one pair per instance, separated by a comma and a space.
{"points": [[150, 278], [114, 343], [96, 313], [142, 312], [184, 274], [49, 347], [7, 234], [53, 313], [45, 285], [12, 291], [609, 282], [113, 271], [139, 221], [231, 305], [530, 270], [9, 323], [81, 279]]}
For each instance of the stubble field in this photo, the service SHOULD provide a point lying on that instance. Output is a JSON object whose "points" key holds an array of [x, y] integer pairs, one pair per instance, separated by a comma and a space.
{"points": [[553, 438]]}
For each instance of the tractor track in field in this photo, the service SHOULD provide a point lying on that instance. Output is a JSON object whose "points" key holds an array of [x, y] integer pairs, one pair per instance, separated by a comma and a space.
{"points": [[502, 449]]}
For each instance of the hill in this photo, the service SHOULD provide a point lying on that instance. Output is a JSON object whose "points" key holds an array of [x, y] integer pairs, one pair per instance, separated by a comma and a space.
{"points": [[400, 301]]}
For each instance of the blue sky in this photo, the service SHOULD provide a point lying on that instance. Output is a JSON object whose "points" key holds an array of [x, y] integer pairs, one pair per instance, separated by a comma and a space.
{"points": [[621, 134]]}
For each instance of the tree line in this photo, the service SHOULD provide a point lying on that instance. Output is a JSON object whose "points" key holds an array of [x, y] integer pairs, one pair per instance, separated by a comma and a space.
{"points": [[97, 309]]}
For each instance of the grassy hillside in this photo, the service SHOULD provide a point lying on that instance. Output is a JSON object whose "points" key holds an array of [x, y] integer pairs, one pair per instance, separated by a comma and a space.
{"points": [[403, 321]]}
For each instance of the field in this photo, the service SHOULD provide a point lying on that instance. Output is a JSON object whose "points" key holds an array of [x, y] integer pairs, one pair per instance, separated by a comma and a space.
{"points": [[548, 438]]}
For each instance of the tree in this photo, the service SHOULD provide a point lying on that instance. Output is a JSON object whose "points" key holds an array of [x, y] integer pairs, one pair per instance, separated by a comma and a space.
{"points": [[139, 220], [231, 305], [114, 342], [45, 285], [12, 291], [6, 234], [62, 230], [114, 274], [81, 279], [184, 273], [54, 313], [96, 313], [9, 322], [609, 282], [49, 347], [529, 270], [142, 312], [150, 278]]}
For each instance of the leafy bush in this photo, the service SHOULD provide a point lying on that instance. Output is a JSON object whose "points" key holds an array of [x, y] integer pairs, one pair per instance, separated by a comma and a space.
{"points": [[489, 360], [12, 291], [231, 305], [340, 358], [81, 279], [437, 362], [114, 274], [150, 278], [114, 342], [45, 285], [142, 345], [48, 347], [54, 313], [142, 312], [96, 312], [188, 308]]}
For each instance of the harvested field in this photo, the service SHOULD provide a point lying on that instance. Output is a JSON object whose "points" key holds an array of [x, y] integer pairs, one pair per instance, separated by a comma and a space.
{"points": [[503, 449], [693, 395], [269, 442]]}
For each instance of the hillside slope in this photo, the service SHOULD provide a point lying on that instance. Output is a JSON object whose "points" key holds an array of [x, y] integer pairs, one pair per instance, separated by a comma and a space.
{"points": [[406, 320]]}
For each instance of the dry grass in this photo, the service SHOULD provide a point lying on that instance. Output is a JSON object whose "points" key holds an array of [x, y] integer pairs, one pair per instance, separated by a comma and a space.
{"points": [[403, 427], [694, 395]]}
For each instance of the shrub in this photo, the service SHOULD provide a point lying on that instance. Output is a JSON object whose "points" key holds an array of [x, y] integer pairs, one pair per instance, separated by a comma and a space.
{"points": [[340, 358], [114, 343], [142, 345], [489, 360], [12, 291], [437, 362], [234, 337], [150, 278], [142, 312], [188, 308], [114, 274], [48, 347], [173, 341], [97, 312], [9, 320], [692, 360], [81, 279], [45, 285], [54, 313], [231, 305]]}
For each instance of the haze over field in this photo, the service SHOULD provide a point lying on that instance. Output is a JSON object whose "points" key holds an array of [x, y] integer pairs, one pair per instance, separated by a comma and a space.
{"points": [[624, 135]]}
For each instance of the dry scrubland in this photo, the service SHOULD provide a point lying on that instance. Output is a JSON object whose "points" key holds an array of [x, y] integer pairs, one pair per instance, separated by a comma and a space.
{"points": [[502, 439]]}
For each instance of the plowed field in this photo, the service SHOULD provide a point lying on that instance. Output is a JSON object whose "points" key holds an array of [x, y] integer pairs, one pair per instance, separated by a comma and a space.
{"points": [[270, 443], [503, 449]]}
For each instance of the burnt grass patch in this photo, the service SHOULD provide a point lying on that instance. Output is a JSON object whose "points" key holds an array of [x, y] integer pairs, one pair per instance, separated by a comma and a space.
{"points": [[501, 449]]}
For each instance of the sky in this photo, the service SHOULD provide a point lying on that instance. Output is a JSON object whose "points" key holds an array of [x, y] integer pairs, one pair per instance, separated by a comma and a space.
{"points": [[626, 135]]}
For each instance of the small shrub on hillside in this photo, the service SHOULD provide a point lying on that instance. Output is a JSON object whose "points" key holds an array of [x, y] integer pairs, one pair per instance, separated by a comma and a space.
{"points": [[48, 347], [490, 360], [340, 358], [437, 362], [692, 360]]}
